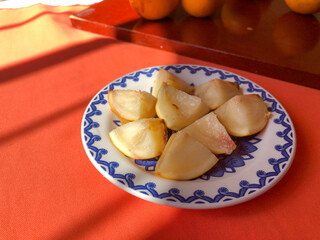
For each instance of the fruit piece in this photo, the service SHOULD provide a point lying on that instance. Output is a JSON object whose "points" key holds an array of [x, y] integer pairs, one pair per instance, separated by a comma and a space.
{"points": [[153, 9], [216, 92], [177, 108], [304, 6], [200, 8], [184, 158], [141, 139], [131, 105], [169, 78], [243, 115], [212, 134]]}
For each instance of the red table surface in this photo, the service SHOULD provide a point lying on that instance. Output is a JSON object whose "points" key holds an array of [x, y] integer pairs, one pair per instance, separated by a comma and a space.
{"points": [[49, 189]]}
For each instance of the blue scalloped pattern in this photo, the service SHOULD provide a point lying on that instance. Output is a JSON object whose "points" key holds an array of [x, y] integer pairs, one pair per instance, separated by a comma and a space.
{"points": [[226, 164], [199, 196], [229, 163]]}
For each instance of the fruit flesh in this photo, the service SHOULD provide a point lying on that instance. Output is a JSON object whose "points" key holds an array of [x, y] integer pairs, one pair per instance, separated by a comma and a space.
{"points": [[184, 158], [141, 139], [177, 108], [212, 134], [190, 152], [131, 105], [169, 78]]}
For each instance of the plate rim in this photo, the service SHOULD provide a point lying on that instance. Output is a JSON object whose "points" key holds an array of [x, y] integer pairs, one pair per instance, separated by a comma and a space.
{"points": [[179, 204]]}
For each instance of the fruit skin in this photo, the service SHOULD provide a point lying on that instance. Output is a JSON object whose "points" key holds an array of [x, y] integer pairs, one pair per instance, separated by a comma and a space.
{"points": [[200, 8], [184, 158], [216, 92], [212, 134], [131, 105], [177, 108], [169, 78], [243, 115], [153, 9], [304, 6], [141, 139]]}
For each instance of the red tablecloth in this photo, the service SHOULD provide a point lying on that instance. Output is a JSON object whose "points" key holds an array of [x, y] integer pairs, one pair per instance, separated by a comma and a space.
{"points": [[49, 189]]}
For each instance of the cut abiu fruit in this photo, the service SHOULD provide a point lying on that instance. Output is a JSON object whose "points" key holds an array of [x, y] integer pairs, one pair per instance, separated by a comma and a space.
{"points": [[131, 105], [141, 139], [184, 158], [243, 115], [169, 78], [177, 108], [212, 134], [216, 92]]}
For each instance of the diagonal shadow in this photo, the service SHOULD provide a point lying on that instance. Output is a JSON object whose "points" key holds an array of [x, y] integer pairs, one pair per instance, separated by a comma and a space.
{"points": [[94, 218], [44, 121], [34, 18], [54, 58]]}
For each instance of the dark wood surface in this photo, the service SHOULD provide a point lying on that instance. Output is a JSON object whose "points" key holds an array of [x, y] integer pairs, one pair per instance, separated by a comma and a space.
{"points": [[259, 36]]}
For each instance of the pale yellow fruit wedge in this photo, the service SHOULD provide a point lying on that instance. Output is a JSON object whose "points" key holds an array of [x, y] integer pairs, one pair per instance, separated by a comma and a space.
{"points": [[141, 139], [169, 78], [177, 108], [216, 92], [184, 158], [212, 134], [243, 115], [131, 105]]}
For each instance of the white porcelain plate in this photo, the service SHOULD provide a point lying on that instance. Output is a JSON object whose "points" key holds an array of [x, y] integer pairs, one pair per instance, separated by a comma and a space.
{"points": [[256, 165]]}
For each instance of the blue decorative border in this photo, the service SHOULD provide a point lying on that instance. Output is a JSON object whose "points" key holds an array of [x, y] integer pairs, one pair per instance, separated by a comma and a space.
{"points": [[199, 197], [227, 163]]}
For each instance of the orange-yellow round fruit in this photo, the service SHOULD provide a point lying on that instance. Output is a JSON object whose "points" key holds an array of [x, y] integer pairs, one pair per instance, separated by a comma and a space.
{"points": [[304, 6], [200, 8], [153, 9]]}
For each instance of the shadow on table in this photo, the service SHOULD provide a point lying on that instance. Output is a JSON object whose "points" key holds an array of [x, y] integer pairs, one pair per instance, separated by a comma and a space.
{"points": [[281, 198], [6, 27], [5, 138], [94, 218], [15, 71]]}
